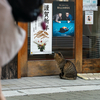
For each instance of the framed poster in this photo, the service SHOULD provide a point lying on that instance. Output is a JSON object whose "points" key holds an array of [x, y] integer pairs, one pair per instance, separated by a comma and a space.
{"points": [[41, 40], [63, 19]]}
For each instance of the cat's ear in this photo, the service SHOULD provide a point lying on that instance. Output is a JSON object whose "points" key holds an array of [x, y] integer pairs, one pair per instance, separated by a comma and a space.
{"points": [[59, 53]]}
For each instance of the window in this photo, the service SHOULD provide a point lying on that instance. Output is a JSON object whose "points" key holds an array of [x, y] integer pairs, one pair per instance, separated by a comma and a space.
{"points": [[65, 45], [91, 37]]}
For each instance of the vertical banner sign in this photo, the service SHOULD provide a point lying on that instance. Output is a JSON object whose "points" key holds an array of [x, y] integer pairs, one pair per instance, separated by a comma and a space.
{"points": [[88, 17], [41, 40], [63, 19]]}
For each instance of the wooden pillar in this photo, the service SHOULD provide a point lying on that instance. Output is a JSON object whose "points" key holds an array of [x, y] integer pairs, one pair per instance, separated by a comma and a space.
{"points": [[78, 35], [22, 54]]}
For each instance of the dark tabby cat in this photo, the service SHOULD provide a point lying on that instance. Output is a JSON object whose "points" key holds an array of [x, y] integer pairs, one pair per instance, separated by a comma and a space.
{"points": [[68, 70]]}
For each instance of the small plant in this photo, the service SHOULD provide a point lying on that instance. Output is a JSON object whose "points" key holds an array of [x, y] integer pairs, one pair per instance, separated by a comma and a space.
{"points": [[41, 45]]}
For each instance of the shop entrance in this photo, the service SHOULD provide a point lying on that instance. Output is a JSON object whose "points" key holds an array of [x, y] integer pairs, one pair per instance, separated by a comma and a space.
{"points": [[45, 64], [78, 49]]}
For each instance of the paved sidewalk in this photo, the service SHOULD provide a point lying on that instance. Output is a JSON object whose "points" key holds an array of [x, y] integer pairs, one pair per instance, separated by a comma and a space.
{"points": [[46, 85], [81, 95]]}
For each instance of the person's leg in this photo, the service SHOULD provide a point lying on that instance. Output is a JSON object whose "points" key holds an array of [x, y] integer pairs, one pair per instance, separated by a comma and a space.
{"points": [[1, 95]]}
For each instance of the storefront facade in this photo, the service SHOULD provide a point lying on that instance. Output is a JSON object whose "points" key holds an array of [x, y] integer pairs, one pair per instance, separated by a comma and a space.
{"points": [[82, 49]]}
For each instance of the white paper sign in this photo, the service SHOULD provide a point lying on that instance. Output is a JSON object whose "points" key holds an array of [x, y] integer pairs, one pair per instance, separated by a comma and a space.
{"points": [[90, 2], [86, 2], [90, 5], [94, 2], [41, 40], [93, 8], [88, 17]]}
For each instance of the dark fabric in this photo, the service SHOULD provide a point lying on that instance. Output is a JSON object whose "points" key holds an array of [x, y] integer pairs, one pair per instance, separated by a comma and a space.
{"points": [[98, 3], [25, 10]]}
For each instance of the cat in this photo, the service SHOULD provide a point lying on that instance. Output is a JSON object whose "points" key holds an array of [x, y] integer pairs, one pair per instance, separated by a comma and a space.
{"points": [[68, 69]]}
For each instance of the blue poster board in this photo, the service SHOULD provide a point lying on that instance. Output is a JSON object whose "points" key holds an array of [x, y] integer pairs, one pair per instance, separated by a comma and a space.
{"points": [[63, 19]]}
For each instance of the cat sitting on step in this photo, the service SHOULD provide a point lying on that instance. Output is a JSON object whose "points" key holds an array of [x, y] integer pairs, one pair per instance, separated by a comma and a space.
{"points": [[68, 69]]}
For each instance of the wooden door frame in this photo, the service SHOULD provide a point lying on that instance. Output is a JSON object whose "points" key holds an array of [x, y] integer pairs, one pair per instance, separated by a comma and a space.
{"points": [[79, 34], [23, 55]]}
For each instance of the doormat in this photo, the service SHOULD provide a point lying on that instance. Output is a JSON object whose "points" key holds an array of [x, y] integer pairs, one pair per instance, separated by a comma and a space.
{"points": [[89, 76]]}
